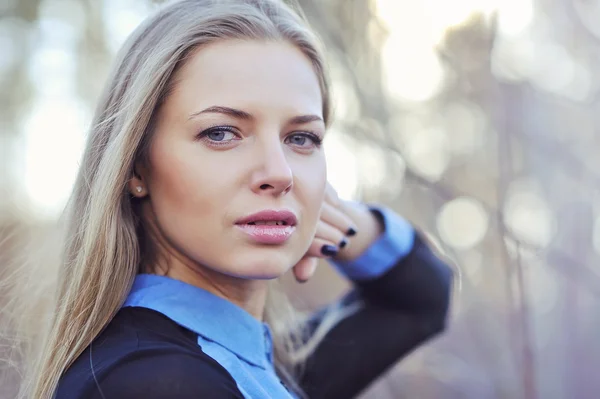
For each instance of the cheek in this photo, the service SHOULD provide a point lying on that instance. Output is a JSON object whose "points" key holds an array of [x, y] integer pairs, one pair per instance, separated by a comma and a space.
{"points": [[311, 180], [184, 172], [175, 179], [186, 194]]}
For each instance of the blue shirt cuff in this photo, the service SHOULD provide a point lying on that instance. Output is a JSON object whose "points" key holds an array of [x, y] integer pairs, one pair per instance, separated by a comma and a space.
{"points": [[394, 244]]}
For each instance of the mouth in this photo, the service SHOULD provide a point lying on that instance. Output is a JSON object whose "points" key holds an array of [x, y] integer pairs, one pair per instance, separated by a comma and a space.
{"points": [[268, 223], [269, 227], [269, 218]]}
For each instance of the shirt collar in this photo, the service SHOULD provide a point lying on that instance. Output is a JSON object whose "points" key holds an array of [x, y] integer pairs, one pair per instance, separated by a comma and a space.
{"points": [[212, 317]]}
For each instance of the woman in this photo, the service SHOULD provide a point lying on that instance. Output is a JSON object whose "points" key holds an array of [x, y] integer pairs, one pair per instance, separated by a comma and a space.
{"points": [[204, 178]]}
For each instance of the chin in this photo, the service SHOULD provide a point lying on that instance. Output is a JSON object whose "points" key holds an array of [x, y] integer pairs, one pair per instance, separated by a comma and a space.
{"points": [[263, 267]]}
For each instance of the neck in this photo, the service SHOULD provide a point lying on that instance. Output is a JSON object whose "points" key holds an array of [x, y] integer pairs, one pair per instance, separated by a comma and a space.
{"points": [[250, 295]]}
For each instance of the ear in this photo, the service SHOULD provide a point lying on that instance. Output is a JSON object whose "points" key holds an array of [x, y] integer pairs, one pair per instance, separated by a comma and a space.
{"points": [[137, 185]]}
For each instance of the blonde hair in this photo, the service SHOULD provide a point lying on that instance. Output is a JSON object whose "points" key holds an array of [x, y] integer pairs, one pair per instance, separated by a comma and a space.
{"points": [[103, 249]]}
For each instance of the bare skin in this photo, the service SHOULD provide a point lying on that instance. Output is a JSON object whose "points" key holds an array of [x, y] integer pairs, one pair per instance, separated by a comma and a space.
{"points": [[240, 134]]}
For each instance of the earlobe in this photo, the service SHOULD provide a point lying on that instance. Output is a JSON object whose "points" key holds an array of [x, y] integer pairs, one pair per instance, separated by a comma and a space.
{"points": [[137, 187]]}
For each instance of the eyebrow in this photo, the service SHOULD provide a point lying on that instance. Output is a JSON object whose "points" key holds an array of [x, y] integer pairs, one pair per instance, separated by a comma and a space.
{"points": [[239, 114]]}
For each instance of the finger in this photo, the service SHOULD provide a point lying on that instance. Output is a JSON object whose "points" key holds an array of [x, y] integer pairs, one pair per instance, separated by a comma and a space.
{"points": [[338, 219], [305, 268], [321, 248], [327, 232]]}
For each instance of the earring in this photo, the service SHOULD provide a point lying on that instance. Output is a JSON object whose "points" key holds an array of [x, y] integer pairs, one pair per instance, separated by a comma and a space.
{"points": [[138, 189]]}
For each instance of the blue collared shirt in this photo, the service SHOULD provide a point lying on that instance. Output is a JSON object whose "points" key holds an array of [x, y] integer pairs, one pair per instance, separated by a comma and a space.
{"points": [[234, 338]]}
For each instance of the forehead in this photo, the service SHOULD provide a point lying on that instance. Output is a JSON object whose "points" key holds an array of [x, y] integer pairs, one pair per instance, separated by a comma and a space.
{"points": [[248, 73]]}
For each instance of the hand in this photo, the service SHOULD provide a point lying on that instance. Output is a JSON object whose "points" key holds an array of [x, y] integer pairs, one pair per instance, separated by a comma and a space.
{"points": [[333, 228], [344, 231]]}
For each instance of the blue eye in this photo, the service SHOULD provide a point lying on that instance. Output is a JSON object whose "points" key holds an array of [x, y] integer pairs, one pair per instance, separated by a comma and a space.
{"points": [[299, 140], [219, 135], [304, 140]]}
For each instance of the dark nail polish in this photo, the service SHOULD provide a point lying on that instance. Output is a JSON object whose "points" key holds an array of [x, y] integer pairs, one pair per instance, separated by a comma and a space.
{"points": [[351, 232], [343, 243], [329, 250]]}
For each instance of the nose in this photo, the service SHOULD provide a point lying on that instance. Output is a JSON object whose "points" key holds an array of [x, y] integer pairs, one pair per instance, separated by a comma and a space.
{"points": [[273, 175]]}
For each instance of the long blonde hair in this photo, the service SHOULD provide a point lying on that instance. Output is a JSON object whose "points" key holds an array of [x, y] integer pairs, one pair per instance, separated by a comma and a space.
{"points": [[102, 249]]}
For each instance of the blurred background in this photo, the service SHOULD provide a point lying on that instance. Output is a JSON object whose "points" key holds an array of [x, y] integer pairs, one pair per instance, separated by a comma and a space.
{"points": [[478, 120]]}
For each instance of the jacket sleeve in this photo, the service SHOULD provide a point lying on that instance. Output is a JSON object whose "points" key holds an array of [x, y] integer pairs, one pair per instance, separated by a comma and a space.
{"points": [[401, 290]]}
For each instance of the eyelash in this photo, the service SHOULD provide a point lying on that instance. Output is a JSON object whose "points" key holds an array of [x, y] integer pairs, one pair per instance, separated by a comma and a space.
{"points": [[203, 135], [317, 141]]}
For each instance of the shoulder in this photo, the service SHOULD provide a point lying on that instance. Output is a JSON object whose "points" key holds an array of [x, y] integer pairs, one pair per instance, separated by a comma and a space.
{"points": [[156, 375], [142, 353]]}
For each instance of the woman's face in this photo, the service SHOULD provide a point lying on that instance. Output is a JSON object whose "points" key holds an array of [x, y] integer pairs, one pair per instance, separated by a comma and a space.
{"points": [[240, 134]]}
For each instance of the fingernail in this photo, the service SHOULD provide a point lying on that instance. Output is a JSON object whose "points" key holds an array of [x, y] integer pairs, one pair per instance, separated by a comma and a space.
{"points": [[343, 243], [329, 250], [351, 232], [301, 281]]}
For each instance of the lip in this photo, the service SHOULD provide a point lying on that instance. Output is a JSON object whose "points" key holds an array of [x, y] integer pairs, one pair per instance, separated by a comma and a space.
{"points": [[270, 215], [268, 234]]}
